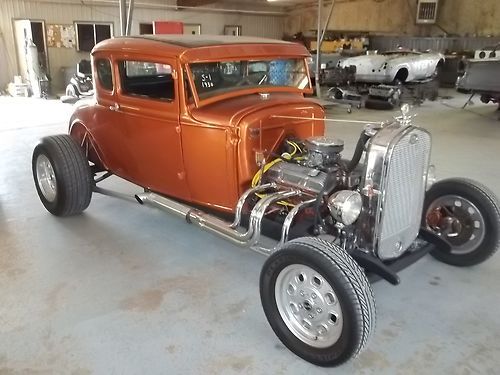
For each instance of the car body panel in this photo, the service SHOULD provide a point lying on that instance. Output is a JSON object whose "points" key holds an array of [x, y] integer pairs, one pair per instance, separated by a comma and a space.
{"points": [[481, 77], [200, 151], [384, 68]]}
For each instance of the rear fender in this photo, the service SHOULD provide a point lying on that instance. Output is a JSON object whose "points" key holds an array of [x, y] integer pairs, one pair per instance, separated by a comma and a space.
{"points": [[80, 133]]}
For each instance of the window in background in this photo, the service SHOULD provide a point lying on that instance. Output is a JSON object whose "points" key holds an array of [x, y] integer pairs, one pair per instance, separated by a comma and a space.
{"points": [[145, 28], [88, 34]]}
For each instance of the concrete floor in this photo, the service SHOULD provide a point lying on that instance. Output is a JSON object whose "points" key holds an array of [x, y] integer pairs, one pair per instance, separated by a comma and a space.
{"points": [[125, 289]]}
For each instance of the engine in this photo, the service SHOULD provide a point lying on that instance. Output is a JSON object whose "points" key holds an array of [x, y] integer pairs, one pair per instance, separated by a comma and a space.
{"points": [[323, 153], [315, 170], [374, 204]]}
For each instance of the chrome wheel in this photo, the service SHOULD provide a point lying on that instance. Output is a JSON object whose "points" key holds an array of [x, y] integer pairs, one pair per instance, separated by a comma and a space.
{"points": [[46, 178], [458, 220], [308, 305]]}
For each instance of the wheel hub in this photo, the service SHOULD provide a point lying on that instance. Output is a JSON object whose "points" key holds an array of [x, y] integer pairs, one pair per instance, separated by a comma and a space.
{"points": [[46, 178], [458, 220], [308, 305]]}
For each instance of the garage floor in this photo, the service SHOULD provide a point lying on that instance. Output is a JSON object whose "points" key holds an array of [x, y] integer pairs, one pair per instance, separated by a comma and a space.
{"points": [[125, 289]]}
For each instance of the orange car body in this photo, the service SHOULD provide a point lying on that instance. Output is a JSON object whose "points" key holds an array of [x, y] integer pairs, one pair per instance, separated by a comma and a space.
{"points": [[202, 151]]}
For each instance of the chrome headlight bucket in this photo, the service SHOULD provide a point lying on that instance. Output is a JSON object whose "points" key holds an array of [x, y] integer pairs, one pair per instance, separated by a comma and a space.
{"points": [[345, 206]]}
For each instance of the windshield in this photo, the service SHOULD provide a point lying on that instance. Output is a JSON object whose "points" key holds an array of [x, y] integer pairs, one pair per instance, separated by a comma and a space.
{"points": [[215, 78]]}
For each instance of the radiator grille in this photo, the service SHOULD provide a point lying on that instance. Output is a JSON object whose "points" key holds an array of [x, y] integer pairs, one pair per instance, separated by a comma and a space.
{"points": [[403, 189]]}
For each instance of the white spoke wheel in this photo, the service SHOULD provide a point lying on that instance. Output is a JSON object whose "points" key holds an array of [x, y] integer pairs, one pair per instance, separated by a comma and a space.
{"points": [[62, 175], [318, 301], [467, 216]]}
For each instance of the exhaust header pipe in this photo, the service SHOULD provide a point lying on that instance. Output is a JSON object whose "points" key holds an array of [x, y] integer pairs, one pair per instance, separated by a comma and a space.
{"points": [[223, 228]]}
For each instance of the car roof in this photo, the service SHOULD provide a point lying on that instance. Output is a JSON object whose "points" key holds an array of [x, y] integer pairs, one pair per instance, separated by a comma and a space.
{"points": [[194, 41], [192, 46]]}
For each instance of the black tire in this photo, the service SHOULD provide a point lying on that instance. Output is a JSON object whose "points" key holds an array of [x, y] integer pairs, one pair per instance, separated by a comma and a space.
{"points": [[73, 180], [349, 283], [489, 209]]}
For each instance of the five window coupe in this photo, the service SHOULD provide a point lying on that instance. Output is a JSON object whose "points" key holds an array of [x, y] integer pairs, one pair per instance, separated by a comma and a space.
{"points": [[217, 131]]}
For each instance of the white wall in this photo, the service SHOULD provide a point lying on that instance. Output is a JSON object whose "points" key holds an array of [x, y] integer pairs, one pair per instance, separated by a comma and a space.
{"points": [[68, 11]]}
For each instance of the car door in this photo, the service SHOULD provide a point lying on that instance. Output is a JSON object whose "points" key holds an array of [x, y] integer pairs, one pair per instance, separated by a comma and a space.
{"points": [[146, 126]]}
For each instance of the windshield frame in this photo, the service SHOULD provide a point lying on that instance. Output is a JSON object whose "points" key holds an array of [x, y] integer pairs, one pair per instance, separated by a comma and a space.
{"points": [[246, 90]]}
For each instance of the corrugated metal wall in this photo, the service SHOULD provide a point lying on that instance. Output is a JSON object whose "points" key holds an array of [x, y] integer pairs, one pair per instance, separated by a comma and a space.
{"points": [[385, 43], [68, 11]]}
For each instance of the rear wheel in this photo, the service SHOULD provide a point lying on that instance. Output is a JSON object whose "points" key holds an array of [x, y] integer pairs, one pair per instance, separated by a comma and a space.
{"points": [[318, 301], [62, 175], [467, 215]]}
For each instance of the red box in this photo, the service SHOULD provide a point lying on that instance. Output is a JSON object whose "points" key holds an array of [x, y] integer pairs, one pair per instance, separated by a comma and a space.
{"points": [[168, 27]]}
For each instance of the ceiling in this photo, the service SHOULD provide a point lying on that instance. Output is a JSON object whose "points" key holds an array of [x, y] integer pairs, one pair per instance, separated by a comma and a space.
{"points": [[273, 3]]}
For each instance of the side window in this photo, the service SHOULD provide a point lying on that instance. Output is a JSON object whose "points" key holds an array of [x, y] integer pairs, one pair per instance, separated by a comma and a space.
{"points": [[103, 68], [147, 79]]}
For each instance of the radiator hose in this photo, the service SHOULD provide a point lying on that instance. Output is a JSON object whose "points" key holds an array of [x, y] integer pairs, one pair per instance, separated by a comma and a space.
{"points": [[358, 152]]}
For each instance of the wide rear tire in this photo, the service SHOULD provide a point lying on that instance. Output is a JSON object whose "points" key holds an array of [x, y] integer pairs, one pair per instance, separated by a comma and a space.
{"points": [[318, 301], [62, 175]]}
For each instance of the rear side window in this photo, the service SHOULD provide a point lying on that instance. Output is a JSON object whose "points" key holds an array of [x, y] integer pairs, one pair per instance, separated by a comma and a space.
{"points": [[147, 80], [103, 67]]}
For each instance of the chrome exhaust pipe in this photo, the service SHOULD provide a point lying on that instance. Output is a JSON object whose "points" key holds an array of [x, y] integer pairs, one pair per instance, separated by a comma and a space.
{"points": [[194, 216], [227, 230]]}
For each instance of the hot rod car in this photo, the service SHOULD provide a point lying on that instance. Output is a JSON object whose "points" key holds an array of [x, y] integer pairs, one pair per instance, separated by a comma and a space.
{"points": [[397, 66], [216, 126]]}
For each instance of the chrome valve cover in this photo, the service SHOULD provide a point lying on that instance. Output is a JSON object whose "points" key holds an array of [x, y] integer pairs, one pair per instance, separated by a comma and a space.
{"points": [[299, 177]]}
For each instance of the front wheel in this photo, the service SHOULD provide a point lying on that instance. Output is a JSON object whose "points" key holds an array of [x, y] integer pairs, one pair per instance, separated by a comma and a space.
{"points": [[467, 215], [318, 301]]}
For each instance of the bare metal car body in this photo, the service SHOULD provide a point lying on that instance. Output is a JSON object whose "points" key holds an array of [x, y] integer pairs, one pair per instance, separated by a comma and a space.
{"points": [[401, 65], [482, 76]]}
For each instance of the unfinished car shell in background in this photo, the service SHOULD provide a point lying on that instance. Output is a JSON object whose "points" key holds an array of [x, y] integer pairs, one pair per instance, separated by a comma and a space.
{"points": [[394, 66], [482, 76]]}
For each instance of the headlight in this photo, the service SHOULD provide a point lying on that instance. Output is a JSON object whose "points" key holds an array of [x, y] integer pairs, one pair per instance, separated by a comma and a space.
{"points": [[345, 206]]}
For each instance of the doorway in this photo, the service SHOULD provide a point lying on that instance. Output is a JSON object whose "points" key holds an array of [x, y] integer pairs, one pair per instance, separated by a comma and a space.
{"points": [[31, 48]]}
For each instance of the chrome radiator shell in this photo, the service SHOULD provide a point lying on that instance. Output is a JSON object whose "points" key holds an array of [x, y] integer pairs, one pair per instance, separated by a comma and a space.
{"points": [[394, 184]]}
